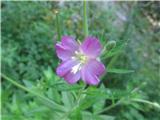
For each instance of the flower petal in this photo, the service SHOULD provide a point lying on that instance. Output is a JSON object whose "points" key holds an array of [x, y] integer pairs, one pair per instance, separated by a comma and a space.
{"points": [[70, 43], [65, 67], [89, 77], [91, 71], [91, 47], [72, 78], [96, 67], [63, 53], [66, 49]]}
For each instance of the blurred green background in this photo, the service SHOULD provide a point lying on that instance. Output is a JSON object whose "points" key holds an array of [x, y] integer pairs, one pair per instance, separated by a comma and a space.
{"points": [[28, 36]]}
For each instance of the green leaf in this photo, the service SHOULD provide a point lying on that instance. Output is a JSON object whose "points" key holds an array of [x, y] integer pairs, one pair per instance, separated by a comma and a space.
{"points": [[50, 77], [100, 104], [42, 98], [117, 50], [28, 83], [92, 97], [67, 99], [67, 87], [87, 115], [54, 95], [120, 71], [106, 117], [76, 115]]}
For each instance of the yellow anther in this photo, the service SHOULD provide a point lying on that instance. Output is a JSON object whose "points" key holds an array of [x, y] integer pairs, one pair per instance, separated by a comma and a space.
{"points": [[81, 57]]}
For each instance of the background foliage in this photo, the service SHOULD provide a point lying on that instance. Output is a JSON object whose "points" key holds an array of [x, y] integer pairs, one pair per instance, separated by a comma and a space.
{"points": [[28, 33]]}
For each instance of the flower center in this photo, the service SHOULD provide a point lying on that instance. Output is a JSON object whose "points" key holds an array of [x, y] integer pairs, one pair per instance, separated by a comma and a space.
{"points": [[81, 58]]}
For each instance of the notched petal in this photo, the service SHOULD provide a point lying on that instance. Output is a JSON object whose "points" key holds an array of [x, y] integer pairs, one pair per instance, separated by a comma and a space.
{"points": [[66, 48], [63, 53], [91, 71], [91, 47], [70, 43], [71, 77]]}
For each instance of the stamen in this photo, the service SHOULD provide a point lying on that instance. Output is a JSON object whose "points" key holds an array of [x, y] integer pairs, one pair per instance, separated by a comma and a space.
{"points": [[76, 68], [73, 58], [80, 56], [76, 52], [79, 42], [98, 59]]}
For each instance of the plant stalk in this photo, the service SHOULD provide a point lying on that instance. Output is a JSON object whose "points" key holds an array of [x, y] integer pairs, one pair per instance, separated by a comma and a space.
{"points": [[58, 25], [85, 24]]}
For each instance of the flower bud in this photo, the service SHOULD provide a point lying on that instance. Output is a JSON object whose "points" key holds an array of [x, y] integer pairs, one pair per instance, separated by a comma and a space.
{"points": [[56, 11], [110, 45]]}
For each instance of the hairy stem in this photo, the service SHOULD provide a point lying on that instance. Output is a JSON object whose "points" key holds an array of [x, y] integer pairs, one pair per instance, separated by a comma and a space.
{"points": [[85, 24], [58, 25]]}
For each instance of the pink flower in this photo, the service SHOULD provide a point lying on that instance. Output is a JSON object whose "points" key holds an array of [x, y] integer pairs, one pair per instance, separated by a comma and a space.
{"points": [[80, 60]]}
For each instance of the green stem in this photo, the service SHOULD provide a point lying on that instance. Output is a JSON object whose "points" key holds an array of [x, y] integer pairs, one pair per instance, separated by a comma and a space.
{"points": [[147, 102], [80, 94], [109, 107], [57, 106], [58, 25], [154, 104], [85, 18], [78, 99]]}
